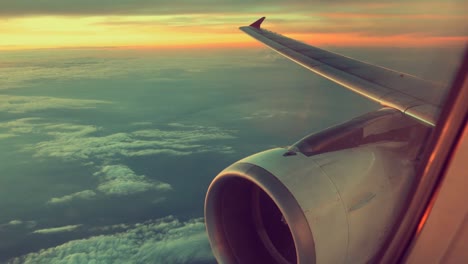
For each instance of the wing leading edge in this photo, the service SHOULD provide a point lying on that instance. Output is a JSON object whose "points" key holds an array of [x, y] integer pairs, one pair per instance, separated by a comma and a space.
{"points": [[411, 95]]}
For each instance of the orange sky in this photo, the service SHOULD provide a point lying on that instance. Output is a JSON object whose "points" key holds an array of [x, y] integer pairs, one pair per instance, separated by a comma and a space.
{"points": [[380, 26]]}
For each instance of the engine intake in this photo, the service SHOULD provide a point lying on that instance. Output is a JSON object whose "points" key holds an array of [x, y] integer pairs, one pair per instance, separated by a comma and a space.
{"points": [[249, 212]]}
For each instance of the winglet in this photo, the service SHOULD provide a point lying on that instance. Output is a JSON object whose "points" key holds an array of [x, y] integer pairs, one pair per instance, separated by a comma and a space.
{"points": [[257, 23]]}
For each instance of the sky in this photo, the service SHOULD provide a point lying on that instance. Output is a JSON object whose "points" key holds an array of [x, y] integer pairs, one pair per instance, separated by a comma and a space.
{"points": [[207, 23]]}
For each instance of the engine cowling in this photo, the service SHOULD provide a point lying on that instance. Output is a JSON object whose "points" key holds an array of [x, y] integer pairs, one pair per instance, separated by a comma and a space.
{"points": [[291, 206]]}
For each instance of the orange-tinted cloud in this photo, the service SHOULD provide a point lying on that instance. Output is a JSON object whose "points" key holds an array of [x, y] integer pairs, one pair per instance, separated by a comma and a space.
{"points": [[359, 40]]}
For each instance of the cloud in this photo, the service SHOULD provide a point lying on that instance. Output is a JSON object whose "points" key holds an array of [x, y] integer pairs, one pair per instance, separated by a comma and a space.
{"points": [[83, 195], [214, 23], [77, 142], [164, 240], [116, 227], [18, 223], [138, 7], [35, 125], [117, 180], [378, 24], [23, 104], [144, 123], [18, 73], [121, 180], [59, 229], [71, 65], [190, 134], [182, 7], [15, 222], [273, 113], [4, 136]]}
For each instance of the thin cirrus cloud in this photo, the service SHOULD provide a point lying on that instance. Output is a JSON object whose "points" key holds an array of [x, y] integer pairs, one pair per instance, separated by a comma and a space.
{"points": [[165, 240], [165, 24]]}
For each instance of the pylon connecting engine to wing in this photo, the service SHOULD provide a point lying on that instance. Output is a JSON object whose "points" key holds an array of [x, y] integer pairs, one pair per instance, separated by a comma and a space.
{"points": [[332, 197]]}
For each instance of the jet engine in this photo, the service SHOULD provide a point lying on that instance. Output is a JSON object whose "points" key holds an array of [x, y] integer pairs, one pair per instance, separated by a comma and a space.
{"points": [[333, 197]]}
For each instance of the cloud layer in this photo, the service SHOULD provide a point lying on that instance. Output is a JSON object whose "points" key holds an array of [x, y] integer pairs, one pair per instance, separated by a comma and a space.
{"points": [[165, 240], [18, 71], [87, 144]]}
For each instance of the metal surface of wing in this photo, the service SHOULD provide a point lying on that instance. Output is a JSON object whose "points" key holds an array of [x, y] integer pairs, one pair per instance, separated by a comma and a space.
{"points": [[411, 95]]}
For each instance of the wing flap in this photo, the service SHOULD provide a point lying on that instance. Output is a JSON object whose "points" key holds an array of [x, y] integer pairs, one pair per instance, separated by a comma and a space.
{"points": [[411, 95]]}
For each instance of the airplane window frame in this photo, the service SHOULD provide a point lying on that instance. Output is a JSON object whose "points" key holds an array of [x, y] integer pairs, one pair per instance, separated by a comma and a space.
{"points": [[444, 138]]}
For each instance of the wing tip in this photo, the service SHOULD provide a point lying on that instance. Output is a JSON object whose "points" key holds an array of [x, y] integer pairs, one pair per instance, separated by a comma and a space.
{"points": [[257, 23]]}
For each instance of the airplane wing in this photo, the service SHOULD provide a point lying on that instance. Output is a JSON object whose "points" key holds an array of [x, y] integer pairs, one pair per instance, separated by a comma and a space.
{"points": [[411, 95]]}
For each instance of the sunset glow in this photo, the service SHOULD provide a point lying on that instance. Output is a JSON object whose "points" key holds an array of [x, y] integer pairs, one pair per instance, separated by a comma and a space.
{"points": [[47, 32], [380, 26]]}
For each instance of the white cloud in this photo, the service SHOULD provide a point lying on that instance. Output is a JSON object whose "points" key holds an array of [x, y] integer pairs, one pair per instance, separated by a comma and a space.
{"points": [[82, 195], [15, 222], [80, 143], [77, 142], [161, 241], [59, 229], [121, 180], [18, 223], [117, 180]]}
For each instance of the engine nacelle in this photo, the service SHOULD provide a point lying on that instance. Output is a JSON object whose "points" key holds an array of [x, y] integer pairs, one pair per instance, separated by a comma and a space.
{"points": [[336, 203]]}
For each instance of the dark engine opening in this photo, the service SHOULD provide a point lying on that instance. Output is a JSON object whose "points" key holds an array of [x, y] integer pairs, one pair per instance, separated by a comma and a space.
{"points": [[252, 225]]}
